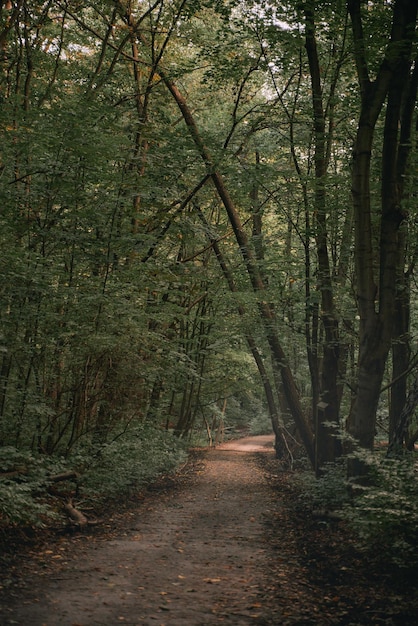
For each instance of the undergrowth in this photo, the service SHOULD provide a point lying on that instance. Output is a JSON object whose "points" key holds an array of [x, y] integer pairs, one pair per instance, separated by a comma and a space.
{"points": [[104, 472], [383, 513], [129, 461]]}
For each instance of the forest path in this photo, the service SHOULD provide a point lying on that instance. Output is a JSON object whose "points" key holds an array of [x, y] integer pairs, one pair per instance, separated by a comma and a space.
{"points": [[193, 556], [223, 541]]}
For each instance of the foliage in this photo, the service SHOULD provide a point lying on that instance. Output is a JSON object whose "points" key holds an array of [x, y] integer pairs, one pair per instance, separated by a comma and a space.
{"points": [[259, 420], [19, 506], [131, 460], [329, 492], [23, 481], [382, 511], [385, 512], [134, 458]]}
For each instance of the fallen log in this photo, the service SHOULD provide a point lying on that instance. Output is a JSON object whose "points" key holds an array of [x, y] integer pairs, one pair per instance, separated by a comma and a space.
{"points": [[70, 475], [76, 516], [14, 473]]}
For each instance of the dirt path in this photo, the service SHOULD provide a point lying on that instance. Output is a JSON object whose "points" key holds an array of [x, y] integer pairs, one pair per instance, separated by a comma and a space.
{"points": [[196, 556], [223, 542]]}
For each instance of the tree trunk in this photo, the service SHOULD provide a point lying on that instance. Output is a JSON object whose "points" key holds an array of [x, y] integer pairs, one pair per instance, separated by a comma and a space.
{"points": [[325, 435], [276, 421], [401, 352], [401, 349], [266, 310], [376, 297]]}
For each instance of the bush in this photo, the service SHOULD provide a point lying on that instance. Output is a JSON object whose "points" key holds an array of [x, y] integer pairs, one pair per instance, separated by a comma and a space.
{"points": [[22, 486], [330, 492], [385, 512], [260, 424], [18, 505], [133, 459]]}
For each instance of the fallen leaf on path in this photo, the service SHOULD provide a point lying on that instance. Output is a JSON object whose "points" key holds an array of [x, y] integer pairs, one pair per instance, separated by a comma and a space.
{"points": [[212, 580]]}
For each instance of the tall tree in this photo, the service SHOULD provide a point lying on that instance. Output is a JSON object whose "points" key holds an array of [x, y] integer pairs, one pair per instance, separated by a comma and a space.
{"points": [[378, 238], [327, 415]]}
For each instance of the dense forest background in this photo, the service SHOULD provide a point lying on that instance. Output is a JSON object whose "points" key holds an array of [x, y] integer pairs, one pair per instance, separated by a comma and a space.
{"points": [[208, 223]]}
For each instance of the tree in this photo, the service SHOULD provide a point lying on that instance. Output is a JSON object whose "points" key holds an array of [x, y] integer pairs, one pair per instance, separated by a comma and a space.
{"points": [[378, 234]]}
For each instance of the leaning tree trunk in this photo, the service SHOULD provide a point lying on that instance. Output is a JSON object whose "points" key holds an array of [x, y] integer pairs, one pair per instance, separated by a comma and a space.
{"points": [[280, 445], [266, 310]]}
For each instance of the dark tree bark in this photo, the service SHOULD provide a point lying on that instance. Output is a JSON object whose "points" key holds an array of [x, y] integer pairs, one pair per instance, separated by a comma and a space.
{"points": [[376, 290], [399, 435], [325, 440], [401, 349]]}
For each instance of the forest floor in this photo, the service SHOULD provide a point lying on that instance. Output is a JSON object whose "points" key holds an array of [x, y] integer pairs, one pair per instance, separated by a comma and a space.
{"points": [[223, 541]]}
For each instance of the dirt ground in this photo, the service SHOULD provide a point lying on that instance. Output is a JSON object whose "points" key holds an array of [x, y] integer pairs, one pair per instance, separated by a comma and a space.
{"points": [[222, 542]]}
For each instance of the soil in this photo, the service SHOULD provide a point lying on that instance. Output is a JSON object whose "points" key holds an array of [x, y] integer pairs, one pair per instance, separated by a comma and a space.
{"points": [[223, 541]]}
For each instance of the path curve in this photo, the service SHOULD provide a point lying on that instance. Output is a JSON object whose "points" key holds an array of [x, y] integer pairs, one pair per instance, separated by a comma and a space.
{"points": [[195, 556]]}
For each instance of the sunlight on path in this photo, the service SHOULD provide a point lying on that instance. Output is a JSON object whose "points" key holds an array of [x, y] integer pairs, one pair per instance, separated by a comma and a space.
{"points": [[262, 443]]}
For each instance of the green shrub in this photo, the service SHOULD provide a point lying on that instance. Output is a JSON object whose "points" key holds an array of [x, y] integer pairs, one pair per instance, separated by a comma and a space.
{"points": [[134, 458], [129, 461], [19, 506], [330, 492], [260, 422], [23, 479], [385, 511]]}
